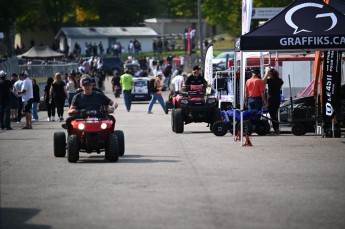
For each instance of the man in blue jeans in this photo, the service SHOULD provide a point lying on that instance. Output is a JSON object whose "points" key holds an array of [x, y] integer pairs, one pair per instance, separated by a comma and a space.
{"points": [[157, 95], [126, 81], [255, 91]]}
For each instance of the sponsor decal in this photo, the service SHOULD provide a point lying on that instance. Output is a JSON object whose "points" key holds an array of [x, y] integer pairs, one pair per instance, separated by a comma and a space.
{"points": [[311, 41]]}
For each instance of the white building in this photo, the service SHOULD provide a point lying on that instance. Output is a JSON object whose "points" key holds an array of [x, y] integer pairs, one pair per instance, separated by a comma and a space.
{"points": [[107, 35]]}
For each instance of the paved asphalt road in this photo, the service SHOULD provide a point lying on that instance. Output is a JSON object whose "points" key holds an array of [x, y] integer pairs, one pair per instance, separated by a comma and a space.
{"points": [[172, 181]]}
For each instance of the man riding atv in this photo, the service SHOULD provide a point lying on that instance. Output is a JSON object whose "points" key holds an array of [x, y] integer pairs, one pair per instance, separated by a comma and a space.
{"points": [[90, 127], [196, 78], [90, 99], [193, 105]]}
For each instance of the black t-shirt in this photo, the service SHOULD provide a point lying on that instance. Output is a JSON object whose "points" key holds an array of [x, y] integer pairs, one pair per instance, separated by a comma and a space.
{"points": [[36, 93], [195, 80], [115, 80], [5, 91], [274, 85], [59, 91], [94, 101]]}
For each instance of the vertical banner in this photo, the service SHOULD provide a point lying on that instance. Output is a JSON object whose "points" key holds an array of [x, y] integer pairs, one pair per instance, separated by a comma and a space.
{"points": [[331, 81], [208, 68], [247, 7]]}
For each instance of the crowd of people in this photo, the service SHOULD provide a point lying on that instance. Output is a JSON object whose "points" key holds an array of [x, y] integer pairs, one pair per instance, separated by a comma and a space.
{"points": [[20, 94]]}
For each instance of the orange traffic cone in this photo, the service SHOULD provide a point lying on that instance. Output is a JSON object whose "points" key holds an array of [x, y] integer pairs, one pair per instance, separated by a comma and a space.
{"points": [[238, 136], [247, 142]]}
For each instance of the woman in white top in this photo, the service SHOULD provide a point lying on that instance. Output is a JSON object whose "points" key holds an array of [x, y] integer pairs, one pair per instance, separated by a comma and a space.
{"points": [[71, 87]]}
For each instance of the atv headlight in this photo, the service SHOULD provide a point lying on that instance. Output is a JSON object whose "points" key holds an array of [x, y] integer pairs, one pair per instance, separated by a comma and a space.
{"points": [[211, 101], [184, 101], [103, 126], [81, 126]]}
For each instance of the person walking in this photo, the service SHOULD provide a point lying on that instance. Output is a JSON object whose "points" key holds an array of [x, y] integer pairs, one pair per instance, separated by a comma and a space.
{"points": [[126, 81], [273, 96], [178, 82], [35, 100], [255, 91], [27, 96], [48, 100], [157, 95], [5, 101], [58, 92], [71, 87]]}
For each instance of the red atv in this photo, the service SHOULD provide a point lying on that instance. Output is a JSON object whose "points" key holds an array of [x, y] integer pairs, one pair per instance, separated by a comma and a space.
{"points": [[90, 131], [193, 106]]}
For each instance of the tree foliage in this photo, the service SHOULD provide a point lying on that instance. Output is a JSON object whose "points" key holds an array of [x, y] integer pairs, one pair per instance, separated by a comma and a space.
{"points": [[227, 13], [20, 16]]}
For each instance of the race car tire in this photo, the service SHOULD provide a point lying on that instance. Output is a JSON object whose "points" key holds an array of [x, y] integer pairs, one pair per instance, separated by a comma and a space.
{"points": [[121, 140], [59, 144], [112, 149], [72, 149]]}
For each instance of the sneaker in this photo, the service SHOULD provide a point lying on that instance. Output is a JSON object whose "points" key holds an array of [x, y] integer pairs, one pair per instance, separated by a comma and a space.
{"points": [[48, 119], [53, 119], [8, 128], [35, 120], [61, 119], [150, 112]]}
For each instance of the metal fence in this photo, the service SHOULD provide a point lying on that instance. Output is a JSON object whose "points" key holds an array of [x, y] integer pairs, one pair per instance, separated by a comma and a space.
{"points": [[36, 71], [45, 71], [10, 65]]}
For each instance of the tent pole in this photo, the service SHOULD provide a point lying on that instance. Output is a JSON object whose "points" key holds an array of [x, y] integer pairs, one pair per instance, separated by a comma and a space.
{"points": [[234, 106], [243, 75]]}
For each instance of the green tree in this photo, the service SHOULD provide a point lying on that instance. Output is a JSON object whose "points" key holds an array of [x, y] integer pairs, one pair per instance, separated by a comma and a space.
{"points": [[227, 13], [9, 11]]}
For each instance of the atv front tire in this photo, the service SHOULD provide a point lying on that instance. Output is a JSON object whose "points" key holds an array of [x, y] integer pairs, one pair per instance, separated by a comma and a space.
{"points": [[112, 149], [59, 144], [72, 149], [121, 140], [178, 121]]}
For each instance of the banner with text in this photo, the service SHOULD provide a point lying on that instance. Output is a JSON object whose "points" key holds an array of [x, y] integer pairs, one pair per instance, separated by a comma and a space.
{"points": [[331, 81]]}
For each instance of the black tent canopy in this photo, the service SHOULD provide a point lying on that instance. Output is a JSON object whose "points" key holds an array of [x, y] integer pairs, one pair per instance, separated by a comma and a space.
{"points": [[303, 25]]}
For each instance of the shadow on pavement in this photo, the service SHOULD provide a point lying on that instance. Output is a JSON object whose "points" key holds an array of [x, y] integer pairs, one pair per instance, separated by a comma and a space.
{"points": [[17, 218]]}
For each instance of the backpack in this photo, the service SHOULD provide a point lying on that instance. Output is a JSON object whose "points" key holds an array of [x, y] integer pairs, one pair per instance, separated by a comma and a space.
{"points": [[152, 86]]}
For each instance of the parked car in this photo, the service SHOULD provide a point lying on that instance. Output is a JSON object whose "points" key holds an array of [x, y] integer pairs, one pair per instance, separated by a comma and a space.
{"points": [[221, 58], [112, 65], [140, 89]]}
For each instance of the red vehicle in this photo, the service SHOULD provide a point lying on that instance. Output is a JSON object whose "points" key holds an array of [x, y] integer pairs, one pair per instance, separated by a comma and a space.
{"points": [[90, 131], [193, 106]]}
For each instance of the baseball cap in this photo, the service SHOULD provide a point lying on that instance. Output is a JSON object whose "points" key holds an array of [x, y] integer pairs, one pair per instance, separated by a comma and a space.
{"points": [[196, 67], [86, 81], [3, 74], [159, 74], [24, 72]]}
